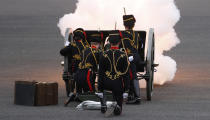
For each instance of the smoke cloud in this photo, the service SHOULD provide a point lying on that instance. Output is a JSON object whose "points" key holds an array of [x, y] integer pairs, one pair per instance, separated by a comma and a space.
{"points": [[162, 15]]}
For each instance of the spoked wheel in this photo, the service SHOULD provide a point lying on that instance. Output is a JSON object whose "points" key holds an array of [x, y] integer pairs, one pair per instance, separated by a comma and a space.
{"points": [[150, 64]]}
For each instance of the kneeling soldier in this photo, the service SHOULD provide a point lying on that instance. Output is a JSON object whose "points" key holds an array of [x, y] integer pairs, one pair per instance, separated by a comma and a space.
{"points": [[113, 73], [86, 75], [73, 51]]}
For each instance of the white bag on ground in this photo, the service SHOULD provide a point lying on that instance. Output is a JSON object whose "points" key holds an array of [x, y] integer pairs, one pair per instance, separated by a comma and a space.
{"points": [[92, 105]]}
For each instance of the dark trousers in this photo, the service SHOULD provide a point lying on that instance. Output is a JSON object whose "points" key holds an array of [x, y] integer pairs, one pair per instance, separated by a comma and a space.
{"points": [[134, 84], [116, 86], [85, 80]]}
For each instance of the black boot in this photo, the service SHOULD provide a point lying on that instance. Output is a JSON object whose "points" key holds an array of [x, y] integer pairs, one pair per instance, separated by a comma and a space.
{"points": [[136, 100], [76, 98], [111, 109], [117, 110], [66, 78], [103, 105], [70, 98], [103, 109]]}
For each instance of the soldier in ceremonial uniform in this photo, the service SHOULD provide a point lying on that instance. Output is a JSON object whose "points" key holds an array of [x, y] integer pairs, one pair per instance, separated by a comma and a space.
{"points": [[86, 75], [113, 73], [83, 36], [74, 51], [75, 48], [130, 43]]}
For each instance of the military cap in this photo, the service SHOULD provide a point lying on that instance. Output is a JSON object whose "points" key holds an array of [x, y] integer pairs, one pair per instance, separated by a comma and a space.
{"points": [[79, 33], [129, 20], [95, 36], [115, 36]]}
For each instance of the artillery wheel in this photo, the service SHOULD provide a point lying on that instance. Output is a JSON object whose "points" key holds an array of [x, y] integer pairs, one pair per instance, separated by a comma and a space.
{"points": [[149, 64]]}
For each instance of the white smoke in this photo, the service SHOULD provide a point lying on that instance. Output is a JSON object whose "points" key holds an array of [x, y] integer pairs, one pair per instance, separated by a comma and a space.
{"points": [[162, 15]]}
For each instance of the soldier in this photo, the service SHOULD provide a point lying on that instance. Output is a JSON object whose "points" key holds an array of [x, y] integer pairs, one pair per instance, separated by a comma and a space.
{"points": [[86, 75], [73, 51], [130, 43], [83, 36], [113, 73]]}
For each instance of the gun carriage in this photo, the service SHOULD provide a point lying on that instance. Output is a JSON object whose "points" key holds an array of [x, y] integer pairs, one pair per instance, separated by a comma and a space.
{"points": [[145, 68]]}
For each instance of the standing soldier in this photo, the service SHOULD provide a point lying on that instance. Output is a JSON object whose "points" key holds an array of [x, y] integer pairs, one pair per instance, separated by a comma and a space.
{"points": [[73, 51], [130, 43], [86, 75], [113, 73]]}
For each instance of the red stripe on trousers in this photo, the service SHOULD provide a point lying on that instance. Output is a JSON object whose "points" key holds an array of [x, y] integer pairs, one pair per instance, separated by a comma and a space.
{"points": [[88, 81], [123, 83], [131, 75]]}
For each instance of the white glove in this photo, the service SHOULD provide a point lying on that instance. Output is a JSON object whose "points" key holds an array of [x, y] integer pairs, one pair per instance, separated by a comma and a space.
{"points": [[100, 95], [98, 67], [62, 63], [130, 58], [67, 43], [125, 95]]}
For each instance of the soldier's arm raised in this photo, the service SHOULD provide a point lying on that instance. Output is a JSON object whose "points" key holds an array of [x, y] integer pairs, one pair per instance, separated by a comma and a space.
{"points": [[66, 51]]}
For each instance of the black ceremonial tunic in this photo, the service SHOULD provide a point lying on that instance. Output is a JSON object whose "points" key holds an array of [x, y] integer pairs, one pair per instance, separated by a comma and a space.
{"points": [[113, 73], [85, 76], [130, 43], [73, 51]]}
